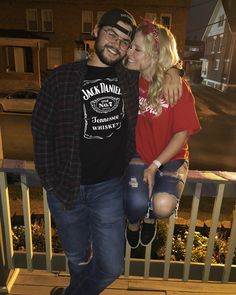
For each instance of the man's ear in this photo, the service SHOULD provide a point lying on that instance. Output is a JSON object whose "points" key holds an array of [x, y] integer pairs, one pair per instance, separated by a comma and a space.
{"points": [[94, 32]]}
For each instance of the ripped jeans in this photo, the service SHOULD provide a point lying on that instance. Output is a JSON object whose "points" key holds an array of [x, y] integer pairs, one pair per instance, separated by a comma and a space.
{"points": [[92, 235], [169, 179]]}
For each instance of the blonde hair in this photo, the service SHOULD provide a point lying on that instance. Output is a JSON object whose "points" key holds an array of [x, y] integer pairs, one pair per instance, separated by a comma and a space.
{"points": [[162, 49]]}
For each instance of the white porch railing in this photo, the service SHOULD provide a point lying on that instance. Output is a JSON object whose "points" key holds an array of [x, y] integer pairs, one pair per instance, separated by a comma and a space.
{"points": [[224, 182]]}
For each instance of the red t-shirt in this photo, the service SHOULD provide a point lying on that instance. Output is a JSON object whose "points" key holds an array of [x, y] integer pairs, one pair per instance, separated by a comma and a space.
{"points": [[153, 133]]}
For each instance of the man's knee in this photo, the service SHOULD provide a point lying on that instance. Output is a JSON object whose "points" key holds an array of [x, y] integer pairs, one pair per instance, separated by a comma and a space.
{"points": [[112, 270], [77, 260]]}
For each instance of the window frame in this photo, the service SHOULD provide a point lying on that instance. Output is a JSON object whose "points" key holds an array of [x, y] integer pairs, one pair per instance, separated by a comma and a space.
{"points": [[205, 65], [226, 67], [51, 65], [221, 20], [28, 11], [220, 43], [87, 17], [19, 59], [213, 46], [100, 14], [43, 12], [169, 15], [217, 64]]}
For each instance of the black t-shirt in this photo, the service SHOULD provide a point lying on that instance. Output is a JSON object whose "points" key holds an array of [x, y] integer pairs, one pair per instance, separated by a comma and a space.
{"points": [[104, 126]]}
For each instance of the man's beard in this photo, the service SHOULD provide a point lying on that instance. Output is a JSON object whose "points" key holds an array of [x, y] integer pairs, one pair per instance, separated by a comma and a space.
{"points": [[100, 53]]}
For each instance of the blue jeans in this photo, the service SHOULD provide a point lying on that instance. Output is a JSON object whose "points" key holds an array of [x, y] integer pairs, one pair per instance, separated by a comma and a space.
{"points": [[169, 179], [92, 236]]}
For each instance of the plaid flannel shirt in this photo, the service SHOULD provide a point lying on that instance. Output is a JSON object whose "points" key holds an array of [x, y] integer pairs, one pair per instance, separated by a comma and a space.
{"points": [[56, 126]]}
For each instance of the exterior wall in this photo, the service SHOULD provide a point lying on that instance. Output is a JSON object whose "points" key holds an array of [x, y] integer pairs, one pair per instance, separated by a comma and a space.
{"points": [[67, 18], [215, 29], [223, 77], [232, 77], [212, 51]]}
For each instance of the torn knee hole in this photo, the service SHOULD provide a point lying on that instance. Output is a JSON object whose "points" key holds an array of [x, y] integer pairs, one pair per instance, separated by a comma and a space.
{"points": [[133, 182]]}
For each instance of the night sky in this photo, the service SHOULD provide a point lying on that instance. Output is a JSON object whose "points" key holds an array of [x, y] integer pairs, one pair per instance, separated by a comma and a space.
{"points": [[199, 16]]}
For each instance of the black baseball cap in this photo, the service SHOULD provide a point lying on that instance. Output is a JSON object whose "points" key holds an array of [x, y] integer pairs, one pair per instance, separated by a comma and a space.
{"points": [[113, 16]]}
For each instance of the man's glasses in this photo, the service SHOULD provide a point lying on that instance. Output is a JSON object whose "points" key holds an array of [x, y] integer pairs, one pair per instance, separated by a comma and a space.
{"points": [[111, 36]]}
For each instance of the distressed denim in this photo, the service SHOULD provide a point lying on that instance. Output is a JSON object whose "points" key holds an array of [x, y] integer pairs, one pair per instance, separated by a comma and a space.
{"points": [[170, 179], [92, 236]]}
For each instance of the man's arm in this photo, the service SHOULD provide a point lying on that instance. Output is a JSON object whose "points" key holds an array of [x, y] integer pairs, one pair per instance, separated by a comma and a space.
{"points": [[43, 133], [172, 87]]}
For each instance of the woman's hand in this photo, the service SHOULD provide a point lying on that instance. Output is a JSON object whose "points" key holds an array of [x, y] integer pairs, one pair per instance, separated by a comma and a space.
{"points": [[149, 177]]}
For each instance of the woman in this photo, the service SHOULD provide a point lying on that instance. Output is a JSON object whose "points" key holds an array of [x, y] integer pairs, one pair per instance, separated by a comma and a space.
{"points": [[156, 178]]}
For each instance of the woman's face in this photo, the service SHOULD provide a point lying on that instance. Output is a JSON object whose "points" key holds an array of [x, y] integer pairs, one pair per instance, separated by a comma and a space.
{"points": [[137, 58]]}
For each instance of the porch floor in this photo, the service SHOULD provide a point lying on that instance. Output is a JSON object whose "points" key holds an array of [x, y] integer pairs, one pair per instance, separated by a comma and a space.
{"points": [[41, 282]]}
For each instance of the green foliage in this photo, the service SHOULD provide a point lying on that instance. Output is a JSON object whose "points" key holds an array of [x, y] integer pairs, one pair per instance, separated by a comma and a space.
{"points": [[199, 248], [158, 247], [178, 248], [38, 238], [195, 73]]}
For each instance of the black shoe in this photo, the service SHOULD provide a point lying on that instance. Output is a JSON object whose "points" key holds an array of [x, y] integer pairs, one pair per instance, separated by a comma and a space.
{"points": [[57, 291], [148, 233], [132, 237]]}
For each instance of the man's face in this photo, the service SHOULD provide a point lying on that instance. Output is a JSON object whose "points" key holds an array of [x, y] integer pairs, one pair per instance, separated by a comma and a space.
{"points": [[111, 44]]}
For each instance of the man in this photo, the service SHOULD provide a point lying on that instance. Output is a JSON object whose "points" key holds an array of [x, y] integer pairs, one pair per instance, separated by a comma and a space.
{"points": [[83, 129]]}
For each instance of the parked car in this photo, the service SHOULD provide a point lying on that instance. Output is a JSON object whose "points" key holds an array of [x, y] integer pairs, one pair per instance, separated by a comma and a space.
{"points": [[20, 101]]}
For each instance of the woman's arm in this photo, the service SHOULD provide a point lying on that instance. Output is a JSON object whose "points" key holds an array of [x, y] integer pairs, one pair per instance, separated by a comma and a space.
{"points": [[173, 147]]}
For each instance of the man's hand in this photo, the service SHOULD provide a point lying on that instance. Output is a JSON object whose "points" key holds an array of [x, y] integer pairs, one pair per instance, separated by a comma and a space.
{"points": [[172, 88]]}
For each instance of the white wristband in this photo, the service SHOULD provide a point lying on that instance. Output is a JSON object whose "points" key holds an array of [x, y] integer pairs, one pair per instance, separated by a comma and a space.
{"points": [[157, 163]]}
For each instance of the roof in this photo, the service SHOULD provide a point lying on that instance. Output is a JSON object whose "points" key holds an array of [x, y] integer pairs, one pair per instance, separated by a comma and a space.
{"points": [[230, 10], [8, 33], [229, 7]]}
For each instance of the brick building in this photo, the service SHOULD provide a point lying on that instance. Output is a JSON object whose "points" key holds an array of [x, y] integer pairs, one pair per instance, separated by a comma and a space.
{"points": [[65, 23], [219, 62]]}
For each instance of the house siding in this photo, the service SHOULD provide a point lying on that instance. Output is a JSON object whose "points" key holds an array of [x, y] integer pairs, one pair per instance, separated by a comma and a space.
{"points": [[224, 77], [67, 18], [232, 79]]}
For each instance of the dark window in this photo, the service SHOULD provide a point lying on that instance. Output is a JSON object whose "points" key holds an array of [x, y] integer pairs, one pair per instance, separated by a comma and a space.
{"points": [[19, 59]]}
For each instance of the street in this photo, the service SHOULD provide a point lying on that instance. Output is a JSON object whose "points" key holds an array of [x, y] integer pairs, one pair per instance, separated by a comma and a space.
{"points": [[215, 145], [213, 148]]}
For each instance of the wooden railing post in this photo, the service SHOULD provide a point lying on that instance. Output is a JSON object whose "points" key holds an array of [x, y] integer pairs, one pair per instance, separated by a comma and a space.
{"points": [[7, 276], [4, 273], [1, 145]]}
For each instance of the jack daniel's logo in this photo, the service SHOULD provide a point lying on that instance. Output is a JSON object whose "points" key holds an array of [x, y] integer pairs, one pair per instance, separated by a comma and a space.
{"points": [[105, 104]]}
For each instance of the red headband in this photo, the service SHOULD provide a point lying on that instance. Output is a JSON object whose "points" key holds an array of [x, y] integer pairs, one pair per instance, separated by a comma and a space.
{"points": [[151, 28]]}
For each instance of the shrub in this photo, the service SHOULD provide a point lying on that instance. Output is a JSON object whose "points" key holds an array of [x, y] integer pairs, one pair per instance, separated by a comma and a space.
{"points": [[195, 73], [38, 238], [179, 241]]}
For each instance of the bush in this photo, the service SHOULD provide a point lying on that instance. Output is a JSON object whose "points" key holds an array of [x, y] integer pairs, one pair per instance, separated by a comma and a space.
{"points": [[195, 73], [38, 238], [179, 241]]}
